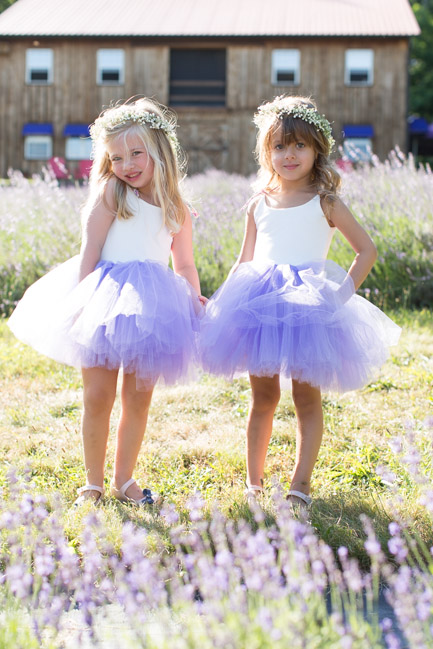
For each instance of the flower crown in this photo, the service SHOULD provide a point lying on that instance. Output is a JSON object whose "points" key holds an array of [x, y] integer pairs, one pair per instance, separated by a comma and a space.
{"points": [[307, 113], [125, 114]]}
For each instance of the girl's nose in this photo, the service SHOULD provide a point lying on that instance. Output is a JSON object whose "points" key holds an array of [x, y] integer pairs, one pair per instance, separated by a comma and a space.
{"points": [[290, 151]]}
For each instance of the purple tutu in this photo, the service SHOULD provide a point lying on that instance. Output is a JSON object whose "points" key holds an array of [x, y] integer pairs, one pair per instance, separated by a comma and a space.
{"points": [[139, 316], [279, 319]]}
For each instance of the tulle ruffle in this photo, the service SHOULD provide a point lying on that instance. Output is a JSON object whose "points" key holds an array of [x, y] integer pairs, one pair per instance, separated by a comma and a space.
{"points": [[294, 321], [139, 316]]}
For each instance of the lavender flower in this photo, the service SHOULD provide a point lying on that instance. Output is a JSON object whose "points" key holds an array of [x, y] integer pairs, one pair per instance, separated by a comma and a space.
{"points": [[224, 583], [195, 506]]}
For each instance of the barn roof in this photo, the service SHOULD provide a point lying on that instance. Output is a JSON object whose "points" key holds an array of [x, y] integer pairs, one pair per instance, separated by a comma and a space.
{"points": [[208, 18]]}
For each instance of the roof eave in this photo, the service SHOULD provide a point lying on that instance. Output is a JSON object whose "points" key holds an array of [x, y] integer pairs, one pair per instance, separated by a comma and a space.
{"points": [[208, 36]]}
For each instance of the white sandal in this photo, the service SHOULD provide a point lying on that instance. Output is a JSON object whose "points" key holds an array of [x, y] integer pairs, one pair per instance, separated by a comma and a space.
{"points": [[88, 487], [252, 491], [299, 494], [148, 497]]}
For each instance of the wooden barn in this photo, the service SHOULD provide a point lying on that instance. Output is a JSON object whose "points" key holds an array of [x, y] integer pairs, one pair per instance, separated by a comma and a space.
{"points": [[61, 61]]}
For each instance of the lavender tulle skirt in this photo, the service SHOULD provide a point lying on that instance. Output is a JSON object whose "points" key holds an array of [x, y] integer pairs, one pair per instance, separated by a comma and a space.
{"points": [[293, 321], [139, 316]]}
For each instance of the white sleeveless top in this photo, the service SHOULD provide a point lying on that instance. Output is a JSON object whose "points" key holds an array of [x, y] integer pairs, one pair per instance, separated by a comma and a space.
{"points": [[141, 237], [291, 235]]}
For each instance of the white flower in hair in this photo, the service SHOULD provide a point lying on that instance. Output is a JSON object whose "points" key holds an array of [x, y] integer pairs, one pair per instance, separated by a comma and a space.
{"points": [[280, 108], [128, 113]]}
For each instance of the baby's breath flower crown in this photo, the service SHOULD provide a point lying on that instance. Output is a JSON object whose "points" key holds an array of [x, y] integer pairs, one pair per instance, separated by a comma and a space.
{"points": [[280, 108], [122, 115]]}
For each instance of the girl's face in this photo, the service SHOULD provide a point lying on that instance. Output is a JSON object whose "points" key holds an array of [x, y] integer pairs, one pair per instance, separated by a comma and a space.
{"points": [[292, 160], [131, 163]]}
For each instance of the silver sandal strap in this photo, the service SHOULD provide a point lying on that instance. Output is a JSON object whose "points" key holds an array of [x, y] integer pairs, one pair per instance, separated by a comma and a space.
{"points": [[90, 487], [299, 494]]}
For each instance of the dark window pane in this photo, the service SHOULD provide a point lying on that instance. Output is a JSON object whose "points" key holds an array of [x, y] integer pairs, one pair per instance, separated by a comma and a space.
{"points": [[197, 77], [38, 75], [358, 76], [110, 75], [286, 75]]}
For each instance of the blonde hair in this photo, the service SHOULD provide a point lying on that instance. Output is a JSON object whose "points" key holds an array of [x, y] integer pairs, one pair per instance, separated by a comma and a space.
{"points": [[298, 119], [155, 125]]}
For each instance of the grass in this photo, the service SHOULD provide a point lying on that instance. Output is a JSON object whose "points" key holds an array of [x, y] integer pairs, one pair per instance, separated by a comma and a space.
{"points": [[196, 438]]}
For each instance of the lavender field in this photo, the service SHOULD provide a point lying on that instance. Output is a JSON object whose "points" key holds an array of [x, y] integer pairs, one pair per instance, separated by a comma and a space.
{"points": [[205, 570], [40, 226], [222, 582]]}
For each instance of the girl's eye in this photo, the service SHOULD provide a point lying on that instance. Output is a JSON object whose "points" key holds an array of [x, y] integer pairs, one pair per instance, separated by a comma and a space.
{"points": [[136, 152], [278, 147], [300, 145], [115, 159]]}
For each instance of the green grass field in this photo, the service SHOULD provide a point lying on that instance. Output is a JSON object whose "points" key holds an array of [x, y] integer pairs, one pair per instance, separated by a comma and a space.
{"points": [[196, 437]]}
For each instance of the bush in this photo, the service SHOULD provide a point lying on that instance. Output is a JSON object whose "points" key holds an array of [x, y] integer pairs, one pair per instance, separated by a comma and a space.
{"points": [[39, 228], [394, 203]]}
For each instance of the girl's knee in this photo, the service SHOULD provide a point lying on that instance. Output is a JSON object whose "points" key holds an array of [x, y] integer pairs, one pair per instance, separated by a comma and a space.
{"points": [[98, 398], [305, 396], [265, 397], [134, 400]]}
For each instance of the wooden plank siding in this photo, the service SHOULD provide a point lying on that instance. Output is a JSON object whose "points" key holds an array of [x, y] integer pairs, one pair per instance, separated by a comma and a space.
{"points": [[384, 104], [221, 137]]}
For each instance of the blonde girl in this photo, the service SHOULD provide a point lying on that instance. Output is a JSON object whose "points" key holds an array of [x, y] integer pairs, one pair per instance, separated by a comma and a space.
{"points": [[284, 309], [118, 305]]}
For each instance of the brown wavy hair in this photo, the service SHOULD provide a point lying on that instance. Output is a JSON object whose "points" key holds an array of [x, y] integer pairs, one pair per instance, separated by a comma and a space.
{"points": [[324, 178]]}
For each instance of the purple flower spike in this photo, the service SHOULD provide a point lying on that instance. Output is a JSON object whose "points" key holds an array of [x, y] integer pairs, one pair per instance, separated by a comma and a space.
{"points": [[373, 547], [394, 528], [195, 506]]}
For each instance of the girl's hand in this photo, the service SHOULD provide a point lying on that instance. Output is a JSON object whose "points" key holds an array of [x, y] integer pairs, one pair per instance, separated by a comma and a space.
{"points": [[203, 300], [345, 291], [339, 296]]}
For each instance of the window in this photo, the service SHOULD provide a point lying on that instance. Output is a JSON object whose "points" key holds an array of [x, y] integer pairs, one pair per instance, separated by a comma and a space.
{"points": [[357, 144], [110, 67], [358, 149], [286, 67], [78, 145], [359, 67], [38, 147], [78, 149], [198, 77], [38, 141], [39, 66]]}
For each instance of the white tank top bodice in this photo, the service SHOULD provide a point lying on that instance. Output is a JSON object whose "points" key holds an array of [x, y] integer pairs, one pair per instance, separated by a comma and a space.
{"points": [[142, 237], [292, 235]]}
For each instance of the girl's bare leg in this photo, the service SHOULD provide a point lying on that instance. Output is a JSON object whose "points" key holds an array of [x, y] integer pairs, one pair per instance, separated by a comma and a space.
{"points": [[99, 392], [308, 406], [265, 398], [130, 432]]}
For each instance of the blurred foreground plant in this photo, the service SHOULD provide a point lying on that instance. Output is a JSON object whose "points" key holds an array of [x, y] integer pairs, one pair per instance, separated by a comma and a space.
{"points": [[225, 583]]}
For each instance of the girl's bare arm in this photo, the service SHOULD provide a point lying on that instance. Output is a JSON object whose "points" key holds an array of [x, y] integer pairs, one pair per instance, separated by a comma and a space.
{"points": [[363, 247], [249, 241], [96, 224], [182, 253]]}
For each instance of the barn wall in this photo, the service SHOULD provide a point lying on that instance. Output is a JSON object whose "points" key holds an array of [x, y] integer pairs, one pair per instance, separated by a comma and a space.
{"points": [[221, 137]]}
